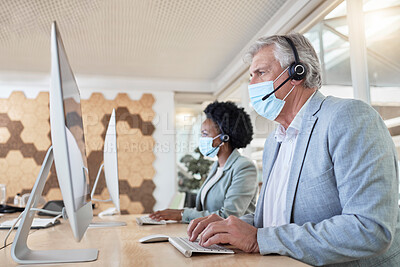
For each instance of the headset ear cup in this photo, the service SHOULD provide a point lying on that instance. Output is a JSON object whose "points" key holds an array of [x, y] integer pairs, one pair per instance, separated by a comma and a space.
{"points": [[224, 138], [297, 71]]}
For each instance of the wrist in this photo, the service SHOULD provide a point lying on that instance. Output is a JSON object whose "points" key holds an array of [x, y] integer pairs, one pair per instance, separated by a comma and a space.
{"points": [[256, 248]]}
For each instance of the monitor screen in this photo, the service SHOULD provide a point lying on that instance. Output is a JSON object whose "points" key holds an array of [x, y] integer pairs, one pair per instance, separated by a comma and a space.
{"points": [[74, 124]]}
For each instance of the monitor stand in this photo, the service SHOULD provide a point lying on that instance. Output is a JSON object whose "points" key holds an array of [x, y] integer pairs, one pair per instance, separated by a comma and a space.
{"points": [[20, 251], [102, 223]]}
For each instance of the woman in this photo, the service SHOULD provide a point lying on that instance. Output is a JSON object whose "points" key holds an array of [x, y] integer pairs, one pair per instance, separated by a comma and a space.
{"points": [[231, 186]]}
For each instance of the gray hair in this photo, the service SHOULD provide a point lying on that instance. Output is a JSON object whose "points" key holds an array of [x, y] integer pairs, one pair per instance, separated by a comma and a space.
{"points": [[284, 54]]}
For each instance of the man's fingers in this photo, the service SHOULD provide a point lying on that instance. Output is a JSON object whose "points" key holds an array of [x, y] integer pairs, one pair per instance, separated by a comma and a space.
{"points": [[193, 224], [198, 229], [190, 228], [213, 229], [220, 238], [196, 226]]}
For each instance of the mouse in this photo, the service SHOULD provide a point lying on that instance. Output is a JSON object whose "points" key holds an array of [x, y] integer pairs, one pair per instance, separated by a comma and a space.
{"points": [[153, 238]]}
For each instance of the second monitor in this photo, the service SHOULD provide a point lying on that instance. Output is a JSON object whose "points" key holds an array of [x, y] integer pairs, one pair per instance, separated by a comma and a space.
{"points": [[110, 165]]}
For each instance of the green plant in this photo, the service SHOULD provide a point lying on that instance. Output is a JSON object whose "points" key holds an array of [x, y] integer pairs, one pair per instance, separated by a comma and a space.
{"points": [[197, 171]]}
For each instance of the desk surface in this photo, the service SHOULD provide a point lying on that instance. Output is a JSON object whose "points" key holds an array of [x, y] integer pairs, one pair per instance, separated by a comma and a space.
{"points": [[119, 246]]}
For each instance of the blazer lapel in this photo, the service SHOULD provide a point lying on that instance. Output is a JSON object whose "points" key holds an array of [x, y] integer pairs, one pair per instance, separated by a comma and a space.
{"points": [[228, 164], [303, 139], [210, 174]]}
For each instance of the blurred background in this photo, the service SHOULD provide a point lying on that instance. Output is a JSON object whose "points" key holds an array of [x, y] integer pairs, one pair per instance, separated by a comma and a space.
{"points": [[159, 63]]}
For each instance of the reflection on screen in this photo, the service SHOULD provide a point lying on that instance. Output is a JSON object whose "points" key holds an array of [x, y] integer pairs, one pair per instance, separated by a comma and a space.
{"points": [[73, 121]]}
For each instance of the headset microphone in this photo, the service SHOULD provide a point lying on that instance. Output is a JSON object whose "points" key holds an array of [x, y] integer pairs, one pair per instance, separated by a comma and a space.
{"points": [[268, 95], [224, 138], [297, 71]]}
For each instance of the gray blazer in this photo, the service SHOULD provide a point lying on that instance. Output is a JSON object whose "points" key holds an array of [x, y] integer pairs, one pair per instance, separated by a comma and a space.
{"points": [[342, 198], [233, 194]]}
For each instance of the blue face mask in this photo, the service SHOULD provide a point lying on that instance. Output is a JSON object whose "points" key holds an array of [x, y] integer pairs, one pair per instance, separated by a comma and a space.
{"points": [[206, 148], [270, 107]]}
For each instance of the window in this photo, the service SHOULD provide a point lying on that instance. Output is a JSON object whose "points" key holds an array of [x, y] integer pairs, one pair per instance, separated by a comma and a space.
{"points": [[382, 32], [330, 40]]}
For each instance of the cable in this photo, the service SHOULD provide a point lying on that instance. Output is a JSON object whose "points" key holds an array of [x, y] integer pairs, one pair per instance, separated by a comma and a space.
{"points": [[58, 215], [12, 228], [48, 211]]}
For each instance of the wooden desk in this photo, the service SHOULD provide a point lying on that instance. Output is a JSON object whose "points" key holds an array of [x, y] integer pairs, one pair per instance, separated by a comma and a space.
{"points": [[119, 246]]}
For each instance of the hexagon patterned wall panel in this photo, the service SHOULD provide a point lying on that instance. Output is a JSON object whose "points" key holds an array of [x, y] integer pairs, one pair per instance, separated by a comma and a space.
{"points": [[25, 138]]}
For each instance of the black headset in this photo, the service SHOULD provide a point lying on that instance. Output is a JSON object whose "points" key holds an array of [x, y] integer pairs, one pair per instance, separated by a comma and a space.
{"points": [[297, 71], [224, 138]]}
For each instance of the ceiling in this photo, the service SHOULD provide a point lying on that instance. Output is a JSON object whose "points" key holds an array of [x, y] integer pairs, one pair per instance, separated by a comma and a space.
{"points": [[179, 40]]}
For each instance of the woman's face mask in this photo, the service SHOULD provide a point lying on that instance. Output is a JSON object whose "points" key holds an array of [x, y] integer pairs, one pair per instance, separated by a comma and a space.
{"points": [[271, 107], [206, 147]]}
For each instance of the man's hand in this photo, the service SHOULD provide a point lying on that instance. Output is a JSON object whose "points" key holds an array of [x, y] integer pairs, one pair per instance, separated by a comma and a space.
{"points": [[197, 226], [231, 231], [168, 214]]}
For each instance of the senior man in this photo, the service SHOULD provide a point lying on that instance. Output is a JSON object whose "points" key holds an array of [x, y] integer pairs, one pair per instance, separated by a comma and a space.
{"points": [[330, 191]]}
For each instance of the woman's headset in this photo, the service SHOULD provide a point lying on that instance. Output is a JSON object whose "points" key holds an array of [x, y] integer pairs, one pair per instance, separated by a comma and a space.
{"points": [[224, 137]]}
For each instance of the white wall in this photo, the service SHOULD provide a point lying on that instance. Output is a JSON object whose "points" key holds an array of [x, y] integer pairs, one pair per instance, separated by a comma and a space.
{"points": [[165, 164], [164, 122]]}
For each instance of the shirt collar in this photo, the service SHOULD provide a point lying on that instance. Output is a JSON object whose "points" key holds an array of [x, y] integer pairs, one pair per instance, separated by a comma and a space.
{"points": [[294, 127]]}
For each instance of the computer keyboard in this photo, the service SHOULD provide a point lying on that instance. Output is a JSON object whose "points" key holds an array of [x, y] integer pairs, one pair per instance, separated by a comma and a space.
{"points": [[36, 223], [147, 220], [187, 247]]}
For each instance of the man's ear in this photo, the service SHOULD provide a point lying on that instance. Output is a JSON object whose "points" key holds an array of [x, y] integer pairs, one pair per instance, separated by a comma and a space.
{"points": [[296, 82]]}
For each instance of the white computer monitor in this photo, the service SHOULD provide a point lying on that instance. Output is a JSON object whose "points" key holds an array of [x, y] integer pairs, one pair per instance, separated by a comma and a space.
{"points": [[111, 175], [68, 151], [68, 139], [111, 161]]}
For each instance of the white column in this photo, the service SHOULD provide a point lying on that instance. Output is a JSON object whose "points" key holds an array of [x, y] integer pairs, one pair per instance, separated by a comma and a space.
{"points": [[358, 51]]}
